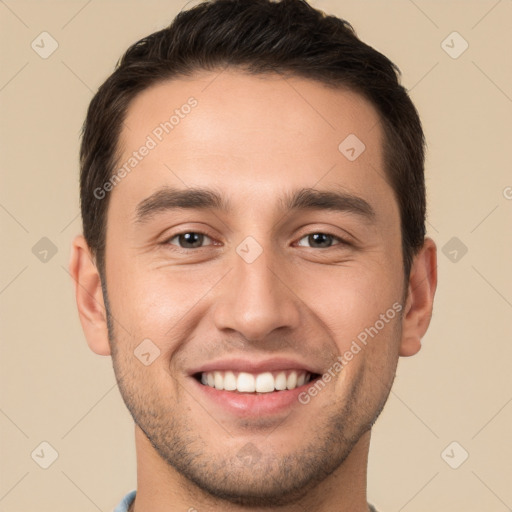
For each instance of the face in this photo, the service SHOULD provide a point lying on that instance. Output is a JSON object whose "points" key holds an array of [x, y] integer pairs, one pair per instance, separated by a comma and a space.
{"points": [[283, 271]]}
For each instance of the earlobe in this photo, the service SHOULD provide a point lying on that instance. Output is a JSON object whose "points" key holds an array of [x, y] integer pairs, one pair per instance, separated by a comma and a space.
{"points": [[420, 299], [409, 346], [89, 296]]}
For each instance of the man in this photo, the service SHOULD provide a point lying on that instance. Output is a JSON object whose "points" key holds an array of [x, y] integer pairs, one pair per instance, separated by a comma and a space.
{"points": [[254, 255]]}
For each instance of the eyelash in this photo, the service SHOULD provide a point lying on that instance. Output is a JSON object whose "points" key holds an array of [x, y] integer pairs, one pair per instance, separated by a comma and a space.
{"points": [[341, 241]]}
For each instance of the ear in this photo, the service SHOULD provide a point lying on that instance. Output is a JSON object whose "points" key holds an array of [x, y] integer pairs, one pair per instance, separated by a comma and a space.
{"points": [[420, 298], [89, 296]]}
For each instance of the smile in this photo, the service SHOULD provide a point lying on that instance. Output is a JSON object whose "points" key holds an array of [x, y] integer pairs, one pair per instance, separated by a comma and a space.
{"points": [[264, 382]]}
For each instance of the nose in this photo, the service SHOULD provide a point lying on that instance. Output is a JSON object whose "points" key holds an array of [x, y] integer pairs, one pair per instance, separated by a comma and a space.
{"points": [[257, 298]]}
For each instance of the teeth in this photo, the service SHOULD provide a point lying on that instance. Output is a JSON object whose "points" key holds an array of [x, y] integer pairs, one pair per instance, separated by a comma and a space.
{"points": [[245, 383], [280, 381], [218, 380], [265, 382], [229, 381], [291, 381]]}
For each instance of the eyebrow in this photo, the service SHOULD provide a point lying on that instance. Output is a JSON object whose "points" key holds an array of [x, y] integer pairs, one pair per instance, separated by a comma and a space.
{"points": [[168, 199]]}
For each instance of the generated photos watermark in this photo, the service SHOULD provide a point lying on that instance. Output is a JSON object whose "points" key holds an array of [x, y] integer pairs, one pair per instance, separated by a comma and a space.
{"points": [[355, 347], [156, 136]]}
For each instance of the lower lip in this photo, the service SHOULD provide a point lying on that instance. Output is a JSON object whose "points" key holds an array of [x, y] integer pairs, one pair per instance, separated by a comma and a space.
{"points": [[252, 404]]}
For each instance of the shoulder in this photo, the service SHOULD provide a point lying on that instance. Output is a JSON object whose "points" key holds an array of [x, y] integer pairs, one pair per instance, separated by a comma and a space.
{"points": [[126, 502]]}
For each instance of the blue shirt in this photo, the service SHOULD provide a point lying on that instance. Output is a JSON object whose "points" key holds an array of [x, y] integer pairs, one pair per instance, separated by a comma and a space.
{"points": [[126, 502], [128, 499]]}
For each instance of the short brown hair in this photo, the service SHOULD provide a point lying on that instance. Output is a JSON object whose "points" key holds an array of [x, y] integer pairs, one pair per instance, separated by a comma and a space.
{"points": [[259, 37]]}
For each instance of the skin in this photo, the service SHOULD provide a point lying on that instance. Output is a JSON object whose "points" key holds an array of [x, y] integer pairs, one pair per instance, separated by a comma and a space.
{"points": [[253, 139]]}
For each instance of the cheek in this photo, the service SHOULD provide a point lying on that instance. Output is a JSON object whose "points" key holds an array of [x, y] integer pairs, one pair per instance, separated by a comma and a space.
{"points": [[157, 303], [349, 300]]}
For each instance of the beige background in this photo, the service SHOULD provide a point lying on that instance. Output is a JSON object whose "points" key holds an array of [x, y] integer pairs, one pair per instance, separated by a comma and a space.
{"points": [[458, 388]]}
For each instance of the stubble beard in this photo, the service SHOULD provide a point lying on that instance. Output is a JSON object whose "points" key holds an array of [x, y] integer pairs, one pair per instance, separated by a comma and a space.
{"points": [[274, 479]]}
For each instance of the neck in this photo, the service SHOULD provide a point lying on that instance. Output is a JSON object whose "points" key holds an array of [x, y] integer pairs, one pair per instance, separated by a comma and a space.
{"points": [[160, 488]]}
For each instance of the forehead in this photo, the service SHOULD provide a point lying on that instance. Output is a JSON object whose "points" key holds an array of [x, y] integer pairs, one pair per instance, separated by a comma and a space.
{"points": [[251, 136]]}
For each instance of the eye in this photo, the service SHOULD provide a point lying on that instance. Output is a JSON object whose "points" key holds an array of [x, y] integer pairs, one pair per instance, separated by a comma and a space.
{"points": [[188, 240], [195, 240], [322, 240]]}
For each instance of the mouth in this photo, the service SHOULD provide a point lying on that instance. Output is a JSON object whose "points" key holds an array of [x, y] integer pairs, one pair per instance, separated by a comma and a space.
{"points": [[255, 383], [252, 388]]}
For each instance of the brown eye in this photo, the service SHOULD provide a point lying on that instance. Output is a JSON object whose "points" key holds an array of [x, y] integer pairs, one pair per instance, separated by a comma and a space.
{"points": [[321, 240], [189, 240]]}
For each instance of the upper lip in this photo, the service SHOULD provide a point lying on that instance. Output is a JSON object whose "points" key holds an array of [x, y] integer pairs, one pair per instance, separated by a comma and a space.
{"points": [[252, 366]]}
